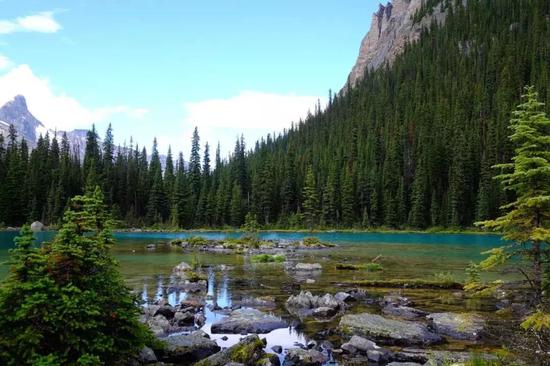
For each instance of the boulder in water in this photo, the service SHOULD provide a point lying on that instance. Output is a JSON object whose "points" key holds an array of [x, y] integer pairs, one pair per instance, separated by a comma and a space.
{"points": [[37, 226]]}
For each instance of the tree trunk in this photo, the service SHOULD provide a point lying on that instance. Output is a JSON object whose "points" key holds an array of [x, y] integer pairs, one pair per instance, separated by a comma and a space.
{"points": [[537, 271]]}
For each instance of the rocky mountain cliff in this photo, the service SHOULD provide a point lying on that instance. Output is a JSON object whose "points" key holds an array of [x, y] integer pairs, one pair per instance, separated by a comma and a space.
{"points": [[16, 113], [393, 26]]}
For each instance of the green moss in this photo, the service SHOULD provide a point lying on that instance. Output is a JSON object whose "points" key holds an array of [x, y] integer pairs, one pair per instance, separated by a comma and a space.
{"points": [[372, 267], [197, 241], [244, 353], [196, 277], [369, 267], [410, 283]]}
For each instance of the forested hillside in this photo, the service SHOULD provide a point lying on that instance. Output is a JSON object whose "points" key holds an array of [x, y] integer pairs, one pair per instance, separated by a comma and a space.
{"points": [[411, 145]]}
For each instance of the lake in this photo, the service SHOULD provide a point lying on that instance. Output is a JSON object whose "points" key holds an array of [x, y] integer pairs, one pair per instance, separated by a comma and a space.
{"points": [[233, 277]]}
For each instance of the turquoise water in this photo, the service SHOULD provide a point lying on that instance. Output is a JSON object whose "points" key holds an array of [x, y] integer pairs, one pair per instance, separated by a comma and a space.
{"points": [[233, 277], [410, 253]]}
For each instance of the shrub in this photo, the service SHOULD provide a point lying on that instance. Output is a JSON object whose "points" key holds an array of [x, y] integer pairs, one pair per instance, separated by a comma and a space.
{"points": [[65, 303], [267, 258], [197, 241]]}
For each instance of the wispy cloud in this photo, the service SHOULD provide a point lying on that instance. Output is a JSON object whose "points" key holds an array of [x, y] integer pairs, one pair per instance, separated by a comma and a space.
{"points": [[251, 112], [57, 110], [42, 22], [5, 62]]}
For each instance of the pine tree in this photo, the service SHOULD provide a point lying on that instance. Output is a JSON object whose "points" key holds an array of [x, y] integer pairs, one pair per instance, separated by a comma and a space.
{"points": [[65, 303], [525, 222], [310, 199]]}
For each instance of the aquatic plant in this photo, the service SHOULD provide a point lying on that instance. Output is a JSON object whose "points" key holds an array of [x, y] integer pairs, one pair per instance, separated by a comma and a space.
{"points": [[268, 258]]}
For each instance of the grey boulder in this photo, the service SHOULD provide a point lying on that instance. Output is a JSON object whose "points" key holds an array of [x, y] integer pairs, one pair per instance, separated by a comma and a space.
{"points": [[388, 331], [462, 326], [189, 348], [244, 321]]}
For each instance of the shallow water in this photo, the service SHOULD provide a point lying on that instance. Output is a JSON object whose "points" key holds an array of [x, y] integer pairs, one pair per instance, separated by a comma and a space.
{"points": [[401, 255]]}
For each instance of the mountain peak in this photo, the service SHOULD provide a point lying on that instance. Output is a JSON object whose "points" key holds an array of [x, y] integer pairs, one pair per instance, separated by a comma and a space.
{"points": [[393, 26], [16, 113]]}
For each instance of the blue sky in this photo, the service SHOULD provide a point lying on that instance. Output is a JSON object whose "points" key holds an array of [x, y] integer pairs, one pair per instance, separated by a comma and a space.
{"points": [[157, 68]]}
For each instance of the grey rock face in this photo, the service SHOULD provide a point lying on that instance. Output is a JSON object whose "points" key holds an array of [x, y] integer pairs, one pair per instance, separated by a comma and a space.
{"points": [[16, 113], [463, 326], [392, 28], [388, 331], [189, 348], [243, 321]]}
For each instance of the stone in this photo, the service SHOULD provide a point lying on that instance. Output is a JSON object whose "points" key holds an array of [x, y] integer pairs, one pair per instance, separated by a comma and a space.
{"points": [[462, 326], [359, 345], [388, 331], [181, 269], [151, 247], [184, 318], [343, 297], [189, 348], [308, 267], [277, 349], [167, 311], [146, 355], [404, 312], [159, 325], [302, 357], [37, 226], [395, 300], [403, 364], [267, 302], [248, 352], [305, 304], [248, 321]]}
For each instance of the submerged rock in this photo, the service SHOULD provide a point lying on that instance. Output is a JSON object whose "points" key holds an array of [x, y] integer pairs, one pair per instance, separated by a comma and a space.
{"points": [[388, 331], [243, 321], [308, 267], [405, 312], [267, 302], [181, 269], [146, 355], [248, 351], [305, 304], [302, 357], [189, 348], [463, 326]]}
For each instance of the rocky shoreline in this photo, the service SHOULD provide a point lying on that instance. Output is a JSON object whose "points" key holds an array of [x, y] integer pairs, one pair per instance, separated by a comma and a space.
{"points": [[393, 332]]}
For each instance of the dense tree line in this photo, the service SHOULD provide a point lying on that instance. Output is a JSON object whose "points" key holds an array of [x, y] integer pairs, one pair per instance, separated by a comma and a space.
{"points": [[411, 145]]}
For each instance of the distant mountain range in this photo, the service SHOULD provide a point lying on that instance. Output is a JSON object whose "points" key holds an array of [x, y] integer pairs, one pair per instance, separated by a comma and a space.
{"points": [[16, 113]]}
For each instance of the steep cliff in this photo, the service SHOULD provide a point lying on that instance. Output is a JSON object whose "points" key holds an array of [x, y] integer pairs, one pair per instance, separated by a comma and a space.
{"points": [[393, 26]]}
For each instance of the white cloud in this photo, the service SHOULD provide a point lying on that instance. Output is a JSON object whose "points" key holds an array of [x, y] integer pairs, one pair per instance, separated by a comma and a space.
{"points": [[56, 110], [252, 113], [5, 62], [42, 22]]}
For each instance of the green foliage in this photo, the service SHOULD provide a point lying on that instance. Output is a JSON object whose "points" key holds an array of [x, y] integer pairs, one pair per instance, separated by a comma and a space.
{"points": [[251, 224], [268, 258], [197, 241], [410, 145], [526, 219], [65, 303]]}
